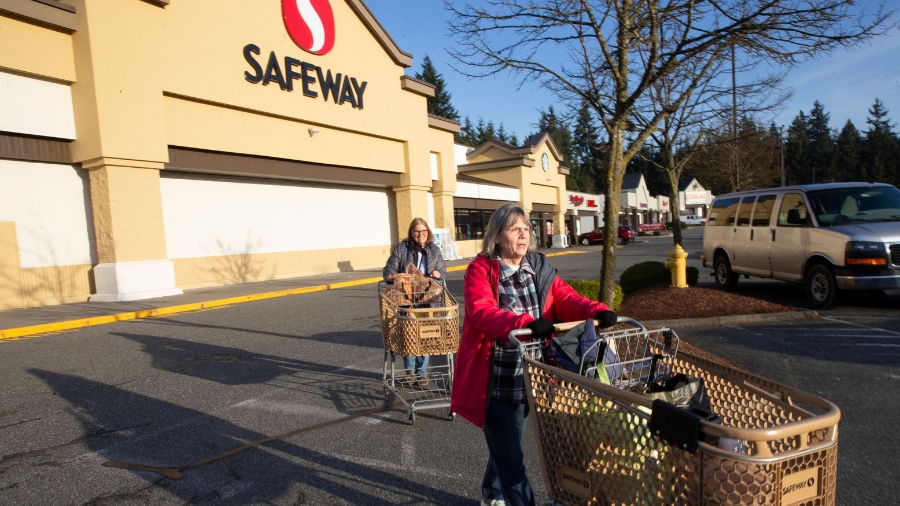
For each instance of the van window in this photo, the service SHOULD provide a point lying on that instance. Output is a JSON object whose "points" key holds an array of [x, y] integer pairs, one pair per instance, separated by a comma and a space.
{"points": [[762, 213], [743, 219], [793, 212], [723, 212]]}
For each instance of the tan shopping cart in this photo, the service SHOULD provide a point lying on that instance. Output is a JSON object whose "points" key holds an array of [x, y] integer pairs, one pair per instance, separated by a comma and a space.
{"points": [[417, 320], [607, 444]]}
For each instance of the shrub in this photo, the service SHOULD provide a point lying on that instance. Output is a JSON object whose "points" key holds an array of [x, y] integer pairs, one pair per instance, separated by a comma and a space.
{"points": [[692, 274], [651, 273], [656, 232], [590, 289]]}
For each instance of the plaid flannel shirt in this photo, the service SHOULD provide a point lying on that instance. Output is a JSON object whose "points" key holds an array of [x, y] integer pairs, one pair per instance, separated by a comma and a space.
{"points": [[517, 294]]}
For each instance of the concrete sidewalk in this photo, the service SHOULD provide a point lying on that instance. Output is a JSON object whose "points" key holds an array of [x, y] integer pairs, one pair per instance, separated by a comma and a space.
{"points": [[18, 323]]}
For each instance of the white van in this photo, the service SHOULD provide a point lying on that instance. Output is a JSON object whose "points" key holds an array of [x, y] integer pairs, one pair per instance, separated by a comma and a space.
{"points": [[829, 237], [692, 219]]}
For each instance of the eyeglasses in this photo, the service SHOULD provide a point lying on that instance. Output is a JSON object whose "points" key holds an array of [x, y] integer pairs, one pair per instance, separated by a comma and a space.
{"points": [[417, 232]]}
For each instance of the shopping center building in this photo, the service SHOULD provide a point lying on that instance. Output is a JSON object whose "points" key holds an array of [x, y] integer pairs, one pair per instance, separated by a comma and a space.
{"points": [[153, 146]]}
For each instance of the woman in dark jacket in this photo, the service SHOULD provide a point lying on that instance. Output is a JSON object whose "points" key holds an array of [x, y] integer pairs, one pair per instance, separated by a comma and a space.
{"points": [[419, 250], [508, 286]]}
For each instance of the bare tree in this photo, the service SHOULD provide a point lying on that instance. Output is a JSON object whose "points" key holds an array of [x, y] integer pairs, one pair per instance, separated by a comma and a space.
{"points": [[680, 134], [586, 50]]}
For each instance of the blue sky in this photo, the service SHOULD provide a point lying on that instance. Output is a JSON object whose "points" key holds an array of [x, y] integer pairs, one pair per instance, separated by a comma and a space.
{"points": [[846, 82]]}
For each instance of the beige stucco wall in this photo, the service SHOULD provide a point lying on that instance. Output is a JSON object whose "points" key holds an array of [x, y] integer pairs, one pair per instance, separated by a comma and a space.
{"points": [[174, 75], [35, 50]]}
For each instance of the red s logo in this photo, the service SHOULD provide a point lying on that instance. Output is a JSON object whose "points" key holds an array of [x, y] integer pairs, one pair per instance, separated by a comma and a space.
{"points": [[310, 23]]}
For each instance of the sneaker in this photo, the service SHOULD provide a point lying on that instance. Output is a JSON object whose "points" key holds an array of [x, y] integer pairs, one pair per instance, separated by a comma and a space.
{"points": [[493, 502], [408, 380], [423, 381]]}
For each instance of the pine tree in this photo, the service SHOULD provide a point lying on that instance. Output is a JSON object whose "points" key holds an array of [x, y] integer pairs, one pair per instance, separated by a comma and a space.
{"points": [[880, 151], [796, 152], [439, 104], [848, 155], [562, 138], [821, 145], [466, 133], [587, 151]]}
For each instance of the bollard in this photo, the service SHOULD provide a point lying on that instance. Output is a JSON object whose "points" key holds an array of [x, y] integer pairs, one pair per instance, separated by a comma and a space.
{"points": [[678, 266]]}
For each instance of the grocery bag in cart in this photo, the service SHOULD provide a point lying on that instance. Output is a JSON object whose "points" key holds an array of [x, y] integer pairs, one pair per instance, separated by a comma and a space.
{"points": [[763, 443]]}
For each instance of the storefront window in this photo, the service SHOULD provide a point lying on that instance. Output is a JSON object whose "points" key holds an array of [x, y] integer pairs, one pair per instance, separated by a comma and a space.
{"points": [[470, 223]]}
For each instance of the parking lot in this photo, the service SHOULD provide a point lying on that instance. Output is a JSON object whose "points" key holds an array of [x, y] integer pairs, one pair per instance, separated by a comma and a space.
{"points": [[177, 390]]}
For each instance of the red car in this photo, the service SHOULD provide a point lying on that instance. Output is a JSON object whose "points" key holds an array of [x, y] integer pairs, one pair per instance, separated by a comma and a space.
{"points": [[626, 235]]}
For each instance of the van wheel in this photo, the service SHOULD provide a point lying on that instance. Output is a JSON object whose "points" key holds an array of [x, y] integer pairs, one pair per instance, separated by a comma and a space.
{"points": [[725, 278], [820, 287]]}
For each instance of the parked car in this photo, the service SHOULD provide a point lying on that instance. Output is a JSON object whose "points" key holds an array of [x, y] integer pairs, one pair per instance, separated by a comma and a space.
{"points": [[625, 236], [692, 219], [828, 237]]}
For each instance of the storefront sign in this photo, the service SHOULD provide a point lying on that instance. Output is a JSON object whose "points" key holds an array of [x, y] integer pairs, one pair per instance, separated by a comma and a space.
{"points": [[310, 23], [592, 203], [576, 200], [651, 226], [693, 198], [312, 78]]}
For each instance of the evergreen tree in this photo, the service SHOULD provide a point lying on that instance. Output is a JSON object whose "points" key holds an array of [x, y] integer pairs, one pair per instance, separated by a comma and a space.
{"points": [[880, 151], [848, 155], [562, 138], [466, 133], [796, 152], [439, 104], [820, 144], [587, 151]]}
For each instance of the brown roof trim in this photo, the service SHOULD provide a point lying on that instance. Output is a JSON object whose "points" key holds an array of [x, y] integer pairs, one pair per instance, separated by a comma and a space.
{"points": [[470, 203], [49, 13], [442, 123], [484, 146], [465, 178], [35, 149], [544, 208], [417, 86], [563, 170], [158, 3], [496, 164], [400, 57], [541, 137], [213, 162]]}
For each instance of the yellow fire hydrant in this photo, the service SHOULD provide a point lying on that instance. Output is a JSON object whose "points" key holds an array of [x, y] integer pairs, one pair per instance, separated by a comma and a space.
{"points": [[678, 266]]}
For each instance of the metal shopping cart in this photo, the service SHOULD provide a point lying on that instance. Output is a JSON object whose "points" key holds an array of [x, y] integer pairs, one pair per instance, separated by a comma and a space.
{"points": [[609, 444], [418, 317]]}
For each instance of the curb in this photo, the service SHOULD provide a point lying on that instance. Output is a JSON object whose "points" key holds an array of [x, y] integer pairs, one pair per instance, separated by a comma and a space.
{"points": [[732, 320]]}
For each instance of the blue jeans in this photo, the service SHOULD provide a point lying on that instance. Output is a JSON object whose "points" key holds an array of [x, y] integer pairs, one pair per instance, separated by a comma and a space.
{"points": [[417, 364], [504, 476]]}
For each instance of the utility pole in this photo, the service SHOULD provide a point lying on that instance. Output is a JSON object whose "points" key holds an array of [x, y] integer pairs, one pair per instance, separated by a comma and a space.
{"points": [[781, 144], [737, 174]]}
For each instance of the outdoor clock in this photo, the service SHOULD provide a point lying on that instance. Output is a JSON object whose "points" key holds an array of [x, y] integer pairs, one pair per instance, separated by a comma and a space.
{"points": [[545, 162]]}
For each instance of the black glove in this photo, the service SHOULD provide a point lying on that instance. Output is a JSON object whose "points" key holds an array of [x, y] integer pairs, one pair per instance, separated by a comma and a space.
{"points": [[606, 318], [541, 327]]}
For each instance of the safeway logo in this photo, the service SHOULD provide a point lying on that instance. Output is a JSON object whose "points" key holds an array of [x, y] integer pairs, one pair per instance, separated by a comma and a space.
{"points": [[310, 23]]}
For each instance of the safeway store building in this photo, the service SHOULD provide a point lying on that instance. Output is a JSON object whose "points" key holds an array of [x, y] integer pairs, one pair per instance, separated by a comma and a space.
{"points": [[153, 146]]}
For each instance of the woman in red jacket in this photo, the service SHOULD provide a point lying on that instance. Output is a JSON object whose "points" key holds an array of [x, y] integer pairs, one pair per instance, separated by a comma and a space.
{"points": [[508, 286]]}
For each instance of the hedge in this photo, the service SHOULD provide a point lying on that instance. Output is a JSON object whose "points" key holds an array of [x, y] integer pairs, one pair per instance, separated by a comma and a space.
{"points": [[651, 273], [590, 289]]}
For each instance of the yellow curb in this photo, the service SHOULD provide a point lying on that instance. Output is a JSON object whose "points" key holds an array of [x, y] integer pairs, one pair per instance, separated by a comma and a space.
{"points": [[147, 313], [561, 253], [45, 328], [345, 284]]}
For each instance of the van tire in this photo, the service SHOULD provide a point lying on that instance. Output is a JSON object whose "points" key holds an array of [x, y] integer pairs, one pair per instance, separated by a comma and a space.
{"points": [[726, 279], [820, 287]]}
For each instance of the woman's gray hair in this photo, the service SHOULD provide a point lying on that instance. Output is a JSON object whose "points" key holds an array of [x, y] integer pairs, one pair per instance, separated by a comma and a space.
{"points": [[504, 217]]}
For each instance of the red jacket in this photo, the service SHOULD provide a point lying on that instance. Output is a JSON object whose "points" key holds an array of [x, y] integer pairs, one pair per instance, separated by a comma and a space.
{"points": [[484, 322]]}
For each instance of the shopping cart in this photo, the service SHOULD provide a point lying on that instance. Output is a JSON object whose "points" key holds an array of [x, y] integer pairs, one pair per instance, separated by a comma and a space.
{"points": [[418, 319], [608, 444]]}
